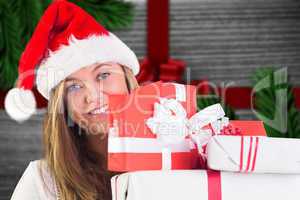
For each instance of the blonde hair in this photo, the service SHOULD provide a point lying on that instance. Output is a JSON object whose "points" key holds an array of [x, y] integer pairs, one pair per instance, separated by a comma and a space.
{"points": [[76, 170]]}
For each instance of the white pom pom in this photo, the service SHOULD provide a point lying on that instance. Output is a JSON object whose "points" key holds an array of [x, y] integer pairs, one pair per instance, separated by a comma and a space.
{"points": [[20, 104]]}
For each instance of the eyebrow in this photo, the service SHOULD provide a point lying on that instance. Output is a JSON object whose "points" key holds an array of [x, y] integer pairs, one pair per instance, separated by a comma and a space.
{"points": [[100, 65], [95, 68], [70, 79]]}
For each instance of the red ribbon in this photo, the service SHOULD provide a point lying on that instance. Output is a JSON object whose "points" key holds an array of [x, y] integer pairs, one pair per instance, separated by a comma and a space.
{"points": [[255, 153], [249, 154], [214, 185], [172, 70], [242, 153]]}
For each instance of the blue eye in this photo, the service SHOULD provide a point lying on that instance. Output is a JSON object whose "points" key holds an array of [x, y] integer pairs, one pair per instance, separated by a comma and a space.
{"points": [[73, 87], [103, 75]]}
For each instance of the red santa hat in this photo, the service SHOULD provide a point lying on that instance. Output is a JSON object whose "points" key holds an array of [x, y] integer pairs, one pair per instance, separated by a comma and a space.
{"points": [[65, 40]]}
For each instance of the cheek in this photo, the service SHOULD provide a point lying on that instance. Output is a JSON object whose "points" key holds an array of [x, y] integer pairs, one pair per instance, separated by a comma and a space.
{"points": [[78, 118], [75, 103], [116, 84]]}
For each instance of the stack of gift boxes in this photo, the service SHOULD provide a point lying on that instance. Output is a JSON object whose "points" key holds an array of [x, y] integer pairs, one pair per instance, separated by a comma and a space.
{"points": [[168, 150]]}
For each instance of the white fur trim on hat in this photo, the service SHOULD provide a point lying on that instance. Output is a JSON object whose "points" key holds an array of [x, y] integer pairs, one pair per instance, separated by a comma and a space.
{"points": [[81, 53], [20, 104]]}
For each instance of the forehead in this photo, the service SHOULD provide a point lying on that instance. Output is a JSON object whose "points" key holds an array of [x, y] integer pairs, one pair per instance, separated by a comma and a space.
{"points": [[90, 69]]}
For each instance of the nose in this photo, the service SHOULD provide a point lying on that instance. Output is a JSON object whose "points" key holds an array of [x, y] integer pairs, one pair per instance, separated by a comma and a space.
{"points": [[91, 97], [95, 94]]}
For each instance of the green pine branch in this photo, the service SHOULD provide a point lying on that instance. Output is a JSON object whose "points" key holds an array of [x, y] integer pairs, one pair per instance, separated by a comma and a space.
{"points": [[207, 100], [265, 104], [10, 45], [18, 19], [28, 13], [112, 14]]}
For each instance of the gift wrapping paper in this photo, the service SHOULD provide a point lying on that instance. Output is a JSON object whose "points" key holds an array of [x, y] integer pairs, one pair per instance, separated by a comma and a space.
{"points": [[132, 145], [253, 154], [204, 185]]}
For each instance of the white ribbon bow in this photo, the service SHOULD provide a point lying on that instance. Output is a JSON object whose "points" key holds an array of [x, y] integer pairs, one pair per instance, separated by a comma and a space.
{"points": [[171, 125]]}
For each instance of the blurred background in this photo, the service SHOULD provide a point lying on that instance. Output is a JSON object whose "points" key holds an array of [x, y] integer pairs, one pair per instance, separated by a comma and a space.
{"points": [[224, 47]]}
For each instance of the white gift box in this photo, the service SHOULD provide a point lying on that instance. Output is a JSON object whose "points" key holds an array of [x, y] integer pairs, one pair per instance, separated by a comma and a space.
{"points": [[204, 185], [254, 154]]}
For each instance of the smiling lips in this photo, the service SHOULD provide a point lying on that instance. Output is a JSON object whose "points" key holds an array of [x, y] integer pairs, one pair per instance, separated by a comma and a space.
{"points": [[100, 110]]}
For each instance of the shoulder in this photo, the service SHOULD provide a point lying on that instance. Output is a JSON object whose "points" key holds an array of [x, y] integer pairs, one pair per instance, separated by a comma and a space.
{"points": [[35, 183]]}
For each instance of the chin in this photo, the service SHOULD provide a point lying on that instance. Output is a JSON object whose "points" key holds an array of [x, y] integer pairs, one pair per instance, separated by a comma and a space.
{"points": [[97, 127], [93, 124]]}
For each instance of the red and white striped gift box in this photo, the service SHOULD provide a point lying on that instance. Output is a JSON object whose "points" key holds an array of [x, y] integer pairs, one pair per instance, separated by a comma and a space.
{"points": [[226, 127], [132, 145], [254, 154]]}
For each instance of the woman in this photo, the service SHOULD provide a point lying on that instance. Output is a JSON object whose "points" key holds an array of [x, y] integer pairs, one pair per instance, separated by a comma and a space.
{"points": [[77, 64]]}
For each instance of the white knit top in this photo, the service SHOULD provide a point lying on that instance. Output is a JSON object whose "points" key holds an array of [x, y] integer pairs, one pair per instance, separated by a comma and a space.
{"points": [[36, 184]]}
